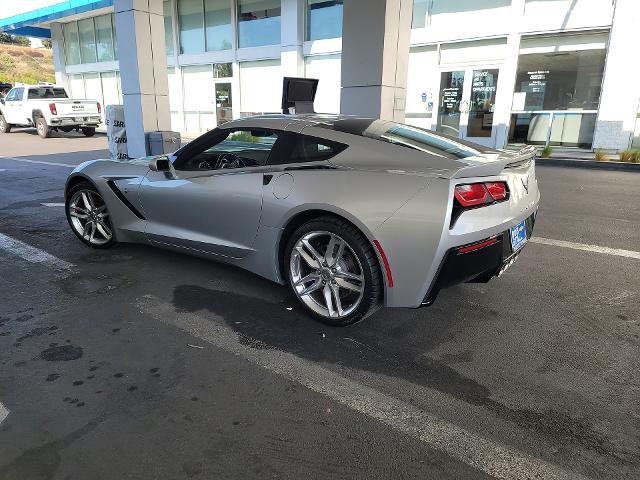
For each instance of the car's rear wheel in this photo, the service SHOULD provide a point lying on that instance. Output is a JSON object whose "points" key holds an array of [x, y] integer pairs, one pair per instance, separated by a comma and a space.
{"points": [[4, 126], [44, 131], [88, 216], [88, 131], [333, 271]]}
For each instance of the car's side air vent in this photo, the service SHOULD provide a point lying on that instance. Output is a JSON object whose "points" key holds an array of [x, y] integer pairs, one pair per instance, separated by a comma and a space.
{"points": [[123, 199]]}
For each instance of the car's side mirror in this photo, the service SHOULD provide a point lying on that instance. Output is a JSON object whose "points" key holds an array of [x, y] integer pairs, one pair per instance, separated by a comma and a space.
{"points": [[2, 101], [161, 164]]}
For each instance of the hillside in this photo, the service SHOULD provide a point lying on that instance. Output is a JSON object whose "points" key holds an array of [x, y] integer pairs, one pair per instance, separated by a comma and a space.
{"points": [[26, 65]]}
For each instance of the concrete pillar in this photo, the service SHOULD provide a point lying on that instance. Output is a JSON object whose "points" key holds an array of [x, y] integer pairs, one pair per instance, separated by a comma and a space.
{"points": [[292, 35], [375, 58], [620, 87], [57, 46], [143, 70]]}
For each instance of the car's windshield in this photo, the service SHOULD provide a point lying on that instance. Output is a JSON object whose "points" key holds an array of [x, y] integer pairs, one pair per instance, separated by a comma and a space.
{"points": [[46, 92]]}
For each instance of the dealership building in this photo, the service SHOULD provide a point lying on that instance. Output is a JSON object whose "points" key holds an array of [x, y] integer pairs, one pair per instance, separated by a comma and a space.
{"points": [[544, 72]]}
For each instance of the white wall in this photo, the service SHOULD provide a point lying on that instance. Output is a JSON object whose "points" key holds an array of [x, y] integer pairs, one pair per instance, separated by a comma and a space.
{"points": [[260, 86], [325, 68]]}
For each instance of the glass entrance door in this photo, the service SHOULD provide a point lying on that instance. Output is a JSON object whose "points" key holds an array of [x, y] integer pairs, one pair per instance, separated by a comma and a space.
{"points": [[224, 112], [467, 103]]}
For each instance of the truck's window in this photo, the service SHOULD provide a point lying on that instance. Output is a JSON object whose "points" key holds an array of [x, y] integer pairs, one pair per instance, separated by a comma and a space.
{"points": [[15, 95], [46, 93]]}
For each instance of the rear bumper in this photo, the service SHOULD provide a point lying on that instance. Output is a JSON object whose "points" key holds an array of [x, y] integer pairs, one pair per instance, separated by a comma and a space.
{"points": [[90, 120], [477, 266]]}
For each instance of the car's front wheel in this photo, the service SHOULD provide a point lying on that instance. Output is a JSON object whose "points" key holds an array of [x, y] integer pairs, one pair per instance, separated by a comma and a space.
{"points": [[333, 271], [4, 126], [88, 216]]}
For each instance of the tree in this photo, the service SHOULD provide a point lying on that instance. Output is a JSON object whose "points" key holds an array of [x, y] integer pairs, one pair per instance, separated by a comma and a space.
{"points": [[46, 43], [14, 39]]}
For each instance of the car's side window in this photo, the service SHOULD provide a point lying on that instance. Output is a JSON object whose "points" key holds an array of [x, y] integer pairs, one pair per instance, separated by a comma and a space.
{"points": [[299, 148], [11, 96], [17, 94], [230, 149]]}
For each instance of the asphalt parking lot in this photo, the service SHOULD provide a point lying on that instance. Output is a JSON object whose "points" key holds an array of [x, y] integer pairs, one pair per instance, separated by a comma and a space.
{"points": [[141, 363]]}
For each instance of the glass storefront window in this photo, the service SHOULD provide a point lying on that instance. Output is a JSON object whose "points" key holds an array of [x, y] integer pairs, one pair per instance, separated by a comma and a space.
{"points": [[560, 80], [324, 19], [222, 70], [420, 8], [258, 23], [71, 43], [87, 36], [168, 28], [191, 19], [90, 40], [104, 38], [217, 16]]}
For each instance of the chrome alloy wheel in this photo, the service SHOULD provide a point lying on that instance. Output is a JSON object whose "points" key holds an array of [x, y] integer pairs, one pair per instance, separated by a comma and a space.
{"points": [[326, 274], [90, 218]]}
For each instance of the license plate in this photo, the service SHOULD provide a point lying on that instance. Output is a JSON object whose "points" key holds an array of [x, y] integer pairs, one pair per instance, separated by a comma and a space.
{"points": [[518, 236]]}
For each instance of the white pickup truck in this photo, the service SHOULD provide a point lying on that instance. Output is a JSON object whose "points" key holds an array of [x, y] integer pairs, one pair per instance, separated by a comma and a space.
{"points": [[48, 108]]}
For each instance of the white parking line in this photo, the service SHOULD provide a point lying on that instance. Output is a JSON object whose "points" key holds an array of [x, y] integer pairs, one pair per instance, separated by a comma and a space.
{"points": [[587, 248], [26, 160], [4, 413], [469, 447], [52, 204], [32, 254]]}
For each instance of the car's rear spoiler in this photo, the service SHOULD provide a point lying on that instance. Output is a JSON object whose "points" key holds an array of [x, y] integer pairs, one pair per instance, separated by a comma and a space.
{"points": [[494, 164]]}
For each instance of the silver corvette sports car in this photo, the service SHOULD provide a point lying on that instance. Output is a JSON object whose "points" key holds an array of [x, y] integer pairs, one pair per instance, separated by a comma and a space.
{"points": [[350, 213]]}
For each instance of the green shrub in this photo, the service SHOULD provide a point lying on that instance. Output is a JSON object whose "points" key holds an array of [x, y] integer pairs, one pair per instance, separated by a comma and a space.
{"points": [[546, 151]]}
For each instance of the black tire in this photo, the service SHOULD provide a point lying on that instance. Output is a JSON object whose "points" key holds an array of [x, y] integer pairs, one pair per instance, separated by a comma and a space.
{"points": [[373, 279], [70, 195], [4, 126], [44, 131], [88, 131]]}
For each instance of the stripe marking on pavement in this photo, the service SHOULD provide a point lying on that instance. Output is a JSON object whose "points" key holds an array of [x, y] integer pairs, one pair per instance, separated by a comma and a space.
{"points": [[32, 254], [42, 162], [4, 413], [471, 448], [587, 248], [52, 204]]}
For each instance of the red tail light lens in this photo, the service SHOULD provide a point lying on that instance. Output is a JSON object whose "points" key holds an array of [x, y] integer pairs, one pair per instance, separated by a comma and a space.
{"points": [[471, 195], [99, 108], [52, 109], [476, 194], [497, 190]]}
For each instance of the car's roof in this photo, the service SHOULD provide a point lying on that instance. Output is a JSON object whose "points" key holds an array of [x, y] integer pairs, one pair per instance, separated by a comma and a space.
{"points": [[345, 123]]}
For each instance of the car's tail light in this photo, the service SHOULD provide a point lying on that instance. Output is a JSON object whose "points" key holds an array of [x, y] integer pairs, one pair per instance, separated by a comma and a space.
{"points": [[497, 190], [99, 108], [52, 109], [478, 194]]}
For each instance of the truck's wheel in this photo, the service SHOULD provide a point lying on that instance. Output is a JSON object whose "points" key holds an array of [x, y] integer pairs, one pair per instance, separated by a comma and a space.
{"points": [[43, 129], [89, 131], [4, 126]]}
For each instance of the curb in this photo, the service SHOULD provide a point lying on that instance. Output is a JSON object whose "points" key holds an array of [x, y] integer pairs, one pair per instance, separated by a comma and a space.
{"points": [[590, 164]]}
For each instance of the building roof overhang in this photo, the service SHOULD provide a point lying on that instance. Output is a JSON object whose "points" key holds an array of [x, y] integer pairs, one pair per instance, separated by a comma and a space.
{"points": [[35, 23]]}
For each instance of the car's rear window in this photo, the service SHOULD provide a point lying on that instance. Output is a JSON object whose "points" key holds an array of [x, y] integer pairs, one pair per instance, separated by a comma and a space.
{"points": [[406, 136], [46, 93]]}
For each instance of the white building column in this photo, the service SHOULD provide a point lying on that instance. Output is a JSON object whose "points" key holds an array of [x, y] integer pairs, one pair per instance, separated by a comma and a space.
{"points": [[57, 46], [375, 57], [620, 87], [292, 37], [143, 70]]}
